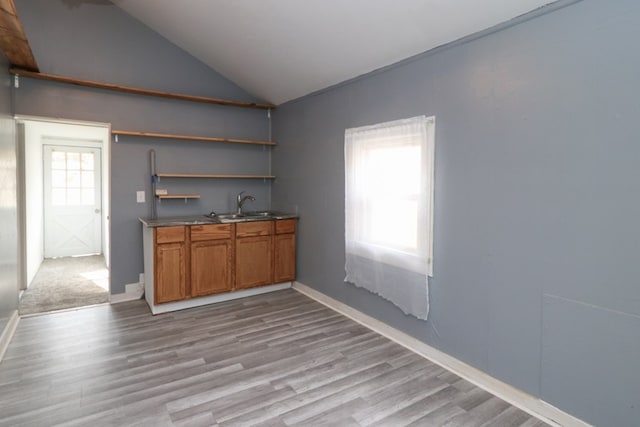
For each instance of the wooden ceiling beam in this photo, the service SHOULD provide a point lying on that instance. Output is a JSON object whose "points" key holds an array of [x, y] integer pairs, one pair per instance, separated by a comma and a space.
{"points": [[13, 41], [8, 7]]}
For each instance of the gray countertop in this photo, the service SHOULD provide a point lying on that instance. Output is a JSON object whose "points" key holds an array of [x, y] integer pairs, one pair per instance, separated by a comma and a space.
{"points": [[226, 218]]}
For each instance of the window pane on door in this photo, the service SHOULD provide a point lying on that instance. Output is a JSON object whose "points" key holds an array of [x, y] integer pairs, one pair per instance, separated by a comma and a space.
{"points": [[73, 161], [58, 179], [87, 179], [72, 178], [87, 161], [58, 160]]}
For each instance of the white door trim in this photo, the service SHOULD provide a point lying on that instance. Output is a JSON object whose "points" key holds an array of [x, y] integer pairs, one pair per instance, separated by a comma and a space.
{"points": [[33, 255]]}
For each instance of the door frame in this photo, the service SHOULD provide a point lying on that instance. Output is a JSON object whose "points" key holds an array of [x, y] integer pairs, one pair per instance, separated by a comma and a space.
{"points": [[29, 129]]}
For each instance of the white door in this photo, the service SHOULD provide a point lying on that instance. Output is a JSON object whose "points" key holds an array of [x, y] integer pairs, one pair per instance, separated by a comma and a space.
{"points": [[72, 201]]}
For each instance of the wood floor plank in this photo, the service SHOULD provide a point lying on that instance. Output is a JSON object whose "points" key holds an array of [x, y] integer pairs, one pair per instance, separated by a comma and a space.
{"points": [[308, 397], [246, 378], [240, 403], [199, 420], [337, 415], [412, 411], [438, 417], [279, 359], [480, 414], [398, 395], [510, 417]]}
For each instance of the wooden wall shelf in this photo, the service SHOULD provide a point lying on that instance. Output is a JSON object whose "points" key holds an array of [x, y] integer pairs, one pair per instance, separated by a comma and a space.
{"points": [[191, 138], [214, 176], [137, 91], [178, 196]]}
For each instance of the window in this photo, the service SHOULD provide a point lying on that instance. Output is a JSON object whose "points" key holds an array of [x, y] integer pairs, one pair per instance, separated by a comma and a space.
{"points": [[389, 200], [72, 178]]}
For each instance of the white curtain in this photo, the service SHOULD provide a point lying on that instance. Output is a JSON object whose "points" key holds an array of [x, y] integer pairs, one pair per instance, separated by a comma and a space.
{"points": [[389, 210]]}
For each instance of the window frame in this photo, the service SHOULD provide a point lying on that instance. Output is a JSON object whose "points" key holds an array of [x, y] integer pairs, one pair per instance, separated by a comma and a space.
{"points": [[357, 240]]}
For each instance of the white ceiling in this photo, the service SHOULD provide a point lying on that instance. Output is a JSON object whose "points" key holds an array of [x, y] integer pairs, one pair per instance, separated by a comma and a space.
{"points": [[279, 50]]}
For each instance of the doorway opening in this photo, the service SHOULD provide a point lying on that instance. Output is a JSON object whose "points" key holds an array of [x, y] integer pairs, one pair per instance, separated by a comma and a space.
{"points": [[64, 220]]}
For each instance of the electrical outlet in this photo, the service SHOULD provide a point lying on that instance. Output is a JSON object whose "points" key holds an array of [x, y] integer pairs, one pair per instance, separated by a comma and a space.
{"points": [[140, 196]]}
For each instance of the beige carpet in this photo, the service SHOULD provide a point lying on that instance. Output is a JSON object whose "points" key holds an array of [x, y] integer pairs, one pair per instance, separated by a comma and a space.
{"points": [[67, 283]]}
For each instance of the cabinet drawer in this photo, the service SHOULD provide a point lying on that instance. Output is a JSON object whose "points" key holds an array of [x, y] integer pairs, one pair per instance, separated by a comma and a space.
{"points": [[257, 228], [211, 232], [286, 226], [170, 234]]}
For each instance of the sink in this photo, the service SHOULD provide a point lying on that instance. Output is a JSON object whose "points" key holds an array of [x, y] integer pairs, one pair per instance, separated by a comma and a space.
{"points": [[213, 218], [234, 217], [180, 220], [196, 220], [248, 216], [272, 214], [231, 216], [261, 213]]}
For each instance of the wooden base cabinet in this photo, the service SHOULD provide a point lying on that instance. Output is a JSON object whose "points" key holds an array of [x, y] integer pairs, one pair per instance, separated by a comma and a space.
{"points": [[192, 261], [201, 261], [254, 249], [170, 264], [284, 251], [211, 259]]}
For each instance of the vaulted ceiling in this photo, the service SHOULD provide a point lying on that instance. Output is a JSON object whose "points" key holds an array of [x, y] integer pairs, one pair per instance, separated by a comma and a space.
{"points": [[279, 50]]}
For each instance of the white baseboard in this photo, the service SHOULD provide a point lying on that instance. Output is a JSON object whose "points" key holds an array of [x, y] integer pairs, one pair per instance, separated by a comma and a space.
{"points": [[7, 334], [528, 403], [132, 292]]}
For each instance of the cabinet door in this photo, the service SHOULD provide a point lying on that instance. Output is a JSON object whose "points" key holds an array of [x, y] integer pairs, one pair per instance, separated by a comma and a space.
{"points": [[253, 261], [211, 267], [170, 272], [284, 265]]}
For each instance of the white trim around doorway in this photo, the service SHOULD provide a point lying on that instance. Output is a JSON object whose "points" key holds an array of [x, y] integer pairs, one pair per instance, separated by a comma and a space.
{"points": [[104, 136]]}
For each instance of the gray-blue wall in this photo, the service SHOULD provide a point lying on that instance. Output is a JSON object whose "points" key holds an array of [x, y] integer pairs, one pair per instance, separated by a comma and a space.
{"points": [[8, 202], [97, 41], [537, 201]]}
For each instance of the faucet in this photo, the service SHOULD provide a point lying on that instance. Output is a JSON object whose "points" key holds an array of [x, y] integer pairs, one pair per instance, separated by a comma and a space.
{"points": [[241, 200]]}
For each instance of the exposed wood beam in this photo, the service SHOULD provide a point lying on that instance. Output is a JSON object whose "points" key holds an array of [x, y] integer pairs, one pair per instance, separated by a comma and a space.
{"points": [[137, 91], [13, 41]]}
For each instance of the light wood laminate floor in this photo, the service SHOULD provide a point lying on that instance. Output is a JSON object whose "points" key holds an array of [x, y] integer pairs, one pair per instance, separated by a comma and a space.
{"points": [[279, 359]]}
